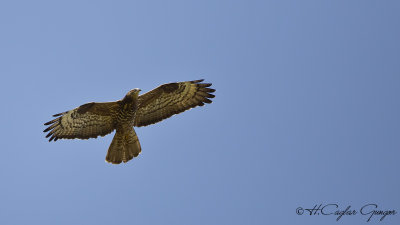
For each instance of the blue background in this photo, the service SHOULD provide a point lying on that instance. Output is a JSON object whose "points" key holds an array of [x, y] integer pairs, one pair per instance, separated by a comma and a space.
{"points": [[306, 110]]}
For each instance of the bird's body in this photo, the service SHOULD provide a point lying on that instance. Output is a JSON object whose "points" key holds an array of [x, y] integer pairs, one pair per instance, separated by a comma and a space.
{"points": [[99, 119]]}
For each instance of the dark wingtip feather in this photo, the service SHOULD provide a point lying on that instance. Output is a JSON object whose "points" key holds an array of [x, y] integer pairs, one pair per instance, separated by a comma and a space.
{"points": [[196, 81], [208, 101], [51, 138], [50, 122], [205, 85], [59, 114], [210, 90], [49, 134]]}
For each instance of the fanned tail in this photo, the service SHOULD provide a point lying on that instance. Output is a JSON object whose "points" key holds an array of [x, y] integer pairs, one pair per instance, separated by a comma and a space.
{"points": [[124, 146]]}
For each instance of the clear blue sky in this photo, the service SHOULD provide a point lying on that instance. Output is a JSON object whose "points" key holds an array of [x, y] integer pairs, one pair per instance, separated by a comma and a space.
{"points": [[306, 110]]}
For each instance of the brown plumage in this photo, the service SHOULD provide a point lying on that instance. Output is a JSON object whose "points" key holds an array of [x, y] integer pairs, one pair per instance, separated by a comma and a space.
{"points": [[99, 119]]}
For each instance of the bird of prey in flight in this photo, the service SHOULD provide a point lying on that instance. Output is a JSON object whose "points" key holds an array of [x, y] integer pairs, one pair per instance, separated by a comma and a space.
{"points": [[95, 119]]}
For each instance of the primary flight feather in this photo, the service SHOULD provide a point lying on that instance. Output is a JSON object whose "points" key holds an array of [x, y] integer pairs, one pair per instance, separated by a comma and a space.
{"points": [[99, 119]]}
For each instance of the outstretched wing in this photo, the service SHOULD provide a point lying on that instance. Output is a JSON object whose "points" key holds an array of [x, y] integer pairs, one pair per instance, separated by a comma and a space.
{"points": [[169, 99], [87, 121]]}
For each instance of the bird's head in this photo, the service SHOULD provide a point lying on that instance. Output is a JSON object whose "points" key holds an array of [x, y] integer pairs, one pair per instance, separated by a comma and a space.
{"points": [[132, 94]]}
